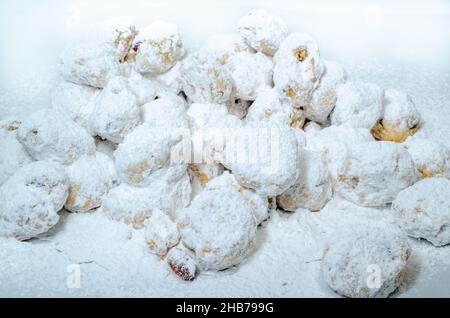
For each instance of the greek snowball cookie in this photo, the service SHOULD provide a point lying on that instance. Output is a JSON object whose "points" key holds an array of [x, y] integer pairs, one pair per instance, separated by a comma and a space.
{"points": [[431, 158], [264, 157], [262, 31], [422, 210], [251, 73], [211, 126], [297, 68], [91, 65], [358, 105], [159, 47], [161, 233], [238, 107], [400, 118], [324, 96], [144, 88], [374, 173], [172, 79], [181, 263], [133, 205], [49, 134], [116, 111], [219, 227], [31, 198], [332, 144], [12, 157], [257, 203], [312, 190], [78, 101], [205, 80], [224, 46], [365, 260], [90, 178], [145, 154], [167, 112]]}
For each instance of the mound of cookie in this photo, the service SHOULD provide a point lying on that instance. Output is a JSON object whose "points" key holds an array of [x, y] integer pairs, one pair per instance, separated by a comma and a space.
{"points": [[196, 149]]}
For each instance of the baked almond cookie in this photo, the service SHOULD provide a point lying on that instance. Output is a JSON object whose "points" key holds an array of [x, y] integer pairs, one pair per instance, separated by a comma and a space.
{"points": [[219, 227], [332, 144], [358, 104], [12, 156], [400, 118], [146, 89], [263, 31], [90, 178], [224, 46], [158, 47], [91, 65], [78, 101], [205, 80], [264, 157], [297, 69], [422, 210], [116, 111], [181, 262], [312, 190], [324, 96], [167, 111], [373, 173], [161, 233], [133, 205], [431, 158], [145, 154], [259, 204], [50, 134], [251, 74], [365, 260], [31, 198]]}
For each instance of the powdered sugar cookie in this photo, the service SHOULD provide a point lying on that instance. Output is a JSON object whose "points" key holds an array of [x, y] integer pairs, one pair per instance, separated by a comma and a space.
{"points": [[264, 157], [358, 104], [219, 227], [263, 31], [167, 112], [91, 65], [181, 263], [400, 118], [12, 157], [297, 69], [251, 73], [90, 178], [49, 134], [205, 80], [431, 158], [161, 233], [324, 96], [31, 198], [422, 210], [374, 173], [257, 203], [159, 47], [365, 260], [78, 101], [116, 111], [312, 190]]}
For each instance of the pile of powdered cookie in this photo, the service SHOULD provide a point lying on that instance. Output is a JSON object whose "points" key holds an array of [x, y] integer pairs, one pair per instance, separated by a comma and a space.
{"points": [[196, 149]]}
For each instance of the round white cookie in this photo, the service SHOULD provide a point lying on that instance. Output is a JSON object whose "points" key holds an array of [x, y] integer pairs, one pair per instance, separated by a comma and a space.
{"points": [[422, 210], [219, 227], [358, 104], [116, 111], [263, 31], [90, 178], [373, 173], [50, 134], [365, 260], [31, 198]]}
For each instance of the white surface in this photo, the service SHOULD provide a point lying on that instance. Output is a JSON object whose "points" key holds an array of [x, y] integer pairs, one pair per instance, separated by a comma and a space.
{"points": [[398, 44]]}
